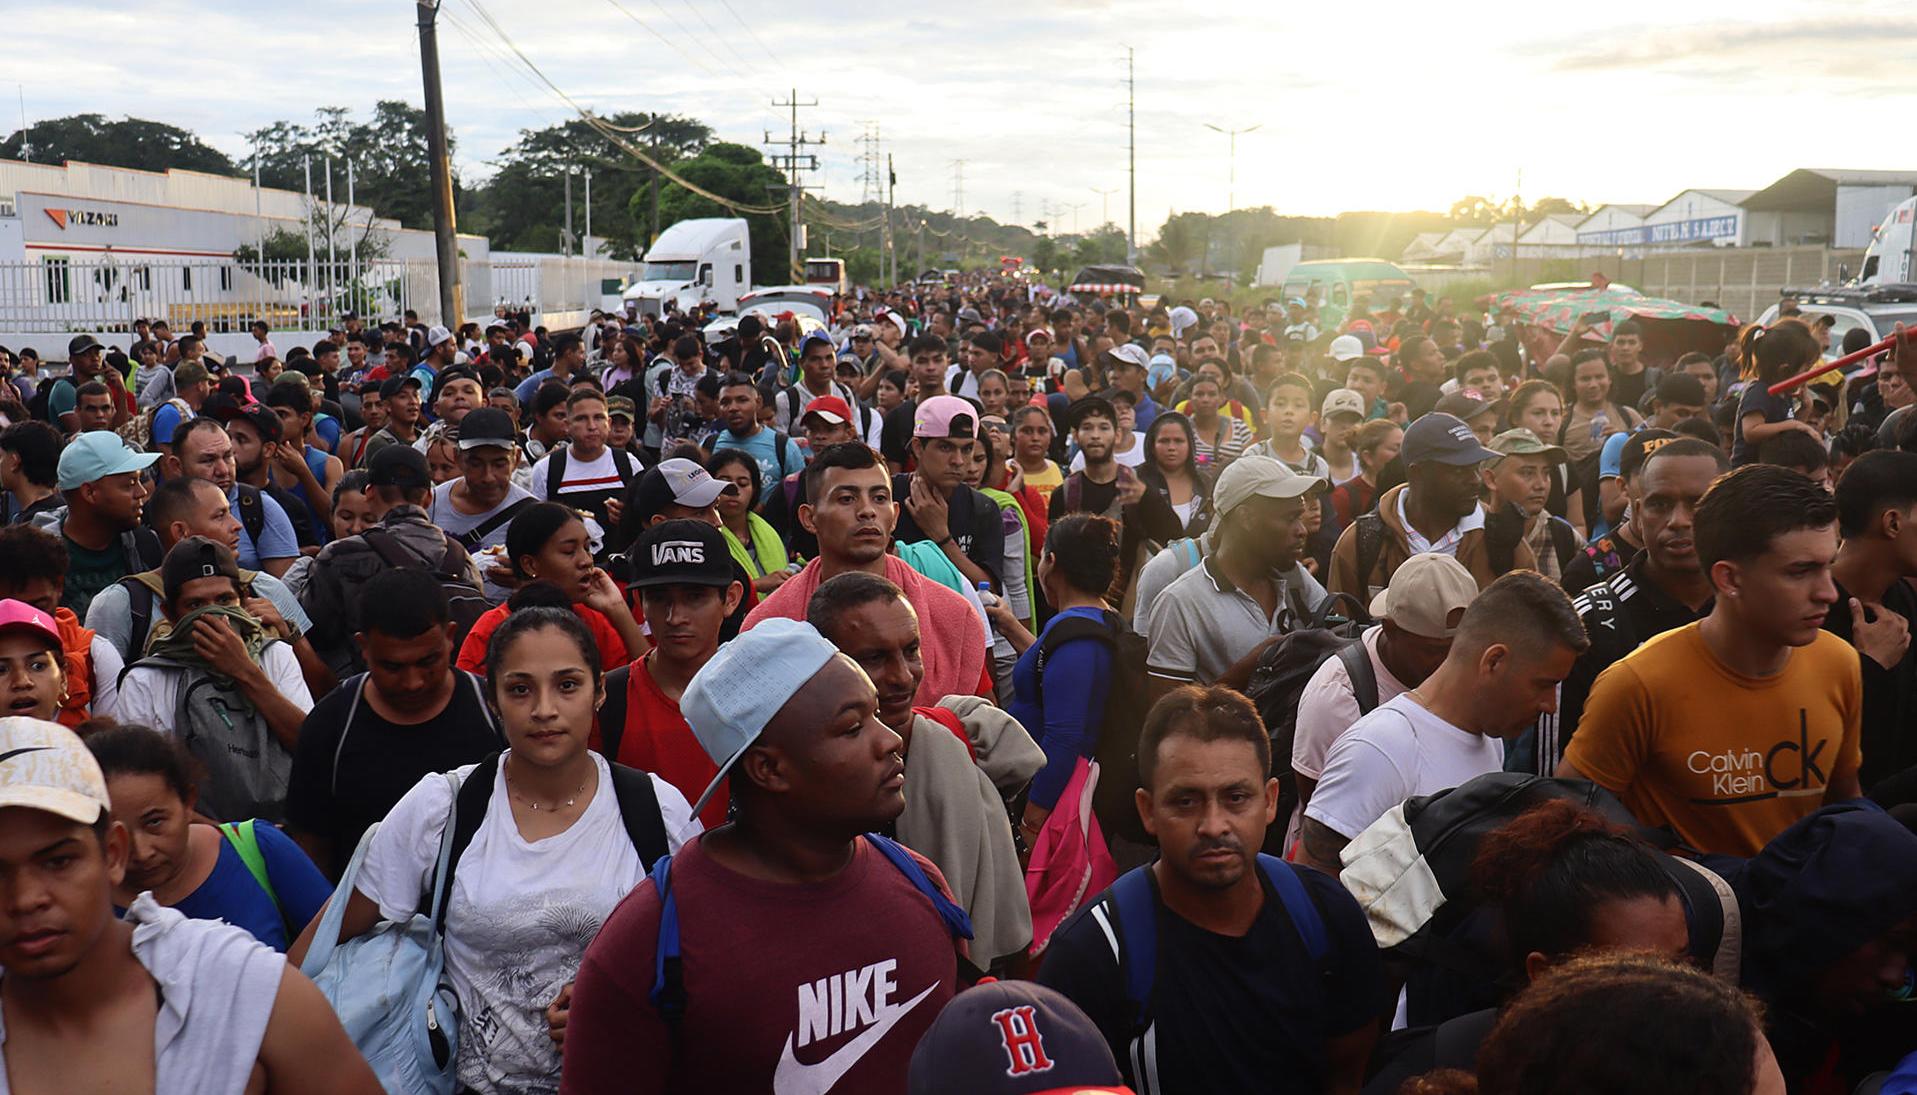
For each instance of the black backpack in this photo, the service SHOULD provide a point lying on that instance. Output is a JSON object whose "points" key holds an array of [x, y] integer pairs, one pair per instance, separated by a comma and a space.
{"points": [[1441, 938], [465, 602], [1113, 801], [1280, 678], [638, 809]]}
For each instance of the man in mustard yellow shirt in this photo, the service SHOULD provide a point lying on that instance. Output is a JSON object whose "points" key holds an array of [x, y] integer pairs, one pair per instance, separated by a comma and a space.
{"points": [[1732, 728]]}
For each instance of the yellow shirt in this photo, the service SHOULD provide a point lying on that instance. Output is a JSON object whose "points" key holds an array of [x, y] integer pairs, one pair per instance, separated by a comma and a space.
{"points": [[1047, 482], [1725, 760]]}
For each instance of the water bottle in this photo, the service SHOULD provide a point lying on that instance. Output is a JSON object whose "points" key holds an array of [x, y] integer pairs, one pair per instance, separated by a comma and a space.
{"points": [[1598, 422], [986, 596]]}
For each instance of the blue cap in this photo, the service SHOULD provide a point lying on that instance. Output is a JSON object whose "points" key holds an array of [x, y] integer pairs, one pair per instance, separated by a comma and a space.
{"points": [[744, 684], [1444, 439], [93, 456], [817, 336], [1012, 1038]]}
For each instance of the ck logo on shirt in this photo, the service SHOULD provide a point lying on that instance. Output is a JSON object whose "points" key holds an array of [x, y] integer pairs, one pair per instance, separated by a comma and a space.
{"points": [[678, 551], [835, 1005], [1024, 1045], [1792, 768]]}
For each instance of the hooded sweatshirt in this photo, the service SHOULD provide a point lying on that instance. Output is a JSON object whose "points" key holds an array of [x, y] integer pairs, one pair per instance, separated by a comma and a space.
{"points": [[1822, 888]]}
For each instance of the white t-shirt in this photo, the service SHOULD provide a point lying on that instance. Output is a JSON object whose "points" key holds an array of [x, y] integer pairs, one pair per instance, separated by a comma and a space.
{"points": [[1328, 707], [1130, 458], [520, 915], [150, 695], [597, 474], [1398, 751]]}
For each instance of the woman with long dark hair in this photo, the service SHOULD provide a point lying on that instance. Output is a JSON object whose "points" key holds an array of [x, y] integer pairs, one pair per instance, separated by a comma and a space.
{"points": [[1171, 468], [752, 540]]}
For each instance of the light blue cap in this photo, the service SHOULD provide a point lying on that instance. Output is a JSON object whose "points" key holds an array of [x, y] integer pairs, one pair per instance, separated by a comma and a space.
{"points": [[744, 684], [94, 456]]}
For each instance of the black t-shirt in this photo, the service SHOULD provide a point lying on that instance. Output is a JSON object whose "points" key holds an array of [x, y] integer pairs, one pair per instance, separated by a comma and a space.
{"points": [[781, 511], [895, 437], [1890, 695], [1627, 389], [1597, 563], [338, 788], [973, 519], [1247, 1014], [1153, 518]]}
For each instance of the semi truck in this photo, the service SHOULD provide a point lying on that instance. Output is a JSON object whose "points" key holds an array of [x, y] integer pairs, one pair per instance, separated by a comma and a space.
{"points": [[693, 261]]}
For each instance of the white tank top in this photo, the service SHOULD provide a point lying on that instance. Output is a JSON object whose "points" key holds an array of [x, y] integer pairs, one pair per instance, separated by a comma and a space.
{"points": [[217, 986]]}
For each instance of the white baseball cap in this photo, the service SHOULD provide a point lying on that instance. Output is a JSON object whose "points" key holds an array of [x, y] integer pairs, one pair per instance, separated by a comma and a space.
{"points": [[744, 684], [1346, 347], [44, 766]]}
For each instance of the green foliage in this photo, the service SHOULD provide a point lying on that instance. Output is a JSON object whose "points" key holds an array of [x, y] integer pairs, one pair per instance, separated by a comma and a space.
{"points": [[391, 171], [280, 245], [121, 142], [522, 207], [739, 174]]}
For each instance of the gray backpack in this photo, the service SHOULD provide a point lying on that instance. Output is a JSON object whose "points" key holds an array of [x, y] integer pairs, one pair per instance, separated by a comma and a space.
{"points": [[247, 769]]}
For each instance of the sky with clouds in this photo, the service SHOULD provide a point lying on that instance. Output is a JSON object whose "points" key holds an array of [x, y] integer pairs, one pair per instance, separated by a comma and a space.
{"points": [[1376, 104]]}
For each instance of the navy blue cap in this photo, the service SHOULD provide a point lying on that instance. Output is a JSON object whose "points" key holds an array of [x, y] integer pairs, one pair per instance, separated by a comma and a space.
{"points": [[1443, 439], [1012, 1038]]}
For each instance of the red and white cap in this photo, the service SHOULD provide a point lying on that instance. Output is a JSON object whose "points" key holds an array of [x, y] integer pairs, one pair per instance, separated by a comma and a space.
{"points": [[829, 407]]}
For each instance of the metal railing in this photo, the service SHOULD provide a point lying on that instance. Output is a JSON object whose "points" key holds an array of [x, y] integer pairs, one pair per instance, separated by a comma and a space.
{"points": [[58, 294]]}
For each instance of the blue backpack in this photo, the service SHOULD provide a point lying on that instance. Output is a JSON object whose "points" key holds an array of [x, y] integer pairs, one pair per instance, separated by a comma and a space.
{"points": [[1134, 939], [668, 983]]}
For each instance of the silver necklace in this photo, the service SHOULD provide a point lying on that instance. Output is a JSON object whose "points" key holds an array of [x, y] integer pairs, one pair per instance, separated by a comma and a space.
{"points": [[530, 804]]}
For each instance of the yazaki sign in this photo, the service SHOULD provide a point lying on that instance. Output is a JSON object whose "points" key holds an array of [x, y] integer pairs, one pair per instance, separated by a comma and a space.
{"points": [[92, 218]]}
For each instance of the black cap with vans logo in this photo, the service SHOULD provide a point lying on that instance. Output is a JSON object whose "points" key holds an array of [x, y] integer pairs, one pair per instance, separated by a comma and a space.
{"points": [[682, 552]]}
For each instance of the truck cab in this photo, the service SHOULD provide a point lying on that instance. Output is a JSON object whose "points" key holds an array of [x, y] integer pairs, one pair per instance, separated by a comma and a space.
{"points": [[1877, 309], [692, 262], [828, 273]]}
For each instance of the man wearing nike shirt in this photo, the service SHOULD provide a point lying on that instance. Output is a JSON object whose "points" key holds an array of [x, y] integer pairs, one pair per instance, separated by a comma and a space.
{"points": [[810, 962]]}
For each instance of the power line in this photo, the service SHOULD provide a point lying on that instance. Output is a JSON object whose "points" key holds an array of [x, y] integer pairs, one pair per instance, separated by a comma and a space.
{"points": [[700, 65], [724, 40], [753, 34]]}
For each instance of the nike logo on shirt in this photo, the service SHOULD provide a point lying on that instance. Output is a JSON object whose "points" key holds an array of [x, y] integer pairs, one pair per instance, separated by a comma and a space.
{"points": [[826, 1004]]}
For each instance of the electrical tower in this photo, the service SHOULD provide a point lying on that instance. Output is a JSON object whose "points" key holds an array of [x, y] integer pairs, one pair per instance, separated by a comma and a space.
{"points": [[958, 189], [1018, 207], [793, 162], [871, 166]]}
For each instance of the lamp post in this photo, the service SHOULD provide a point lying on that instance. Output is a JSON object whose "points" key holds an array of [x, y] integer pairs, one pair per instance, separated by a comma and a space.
{"points": [[1231, 193]]}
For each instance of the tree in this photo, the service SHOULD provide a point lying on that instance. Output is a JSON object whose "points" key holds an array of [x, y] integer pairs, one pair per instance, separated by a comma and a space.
{"points": [[1544, 206], [1475, 209], [738, 174], [392, 173], [1180, 243], [523, 205], [123, 142]]}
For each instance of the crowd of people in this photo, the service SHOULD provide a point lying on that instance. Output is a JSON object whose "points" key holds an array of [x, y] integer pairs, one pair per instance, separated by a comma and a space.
{"points": [[973, 692]]}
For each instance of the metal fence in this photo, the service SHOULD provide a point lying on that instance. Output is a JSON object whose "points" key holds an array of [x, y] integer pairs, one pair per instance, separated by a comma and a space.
{"points": [[57, 294]]}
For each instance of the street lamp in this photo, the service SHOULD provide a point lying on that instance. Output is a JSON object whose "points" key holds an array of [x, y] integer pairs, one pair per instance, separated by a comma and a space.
{"points": [[1231, 194]]}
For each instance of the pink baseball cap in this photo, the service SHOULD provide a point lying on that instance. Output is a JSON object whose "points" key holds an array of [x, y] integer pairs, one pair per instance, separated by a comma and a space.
{"points": [[945, 416], [21, 614]]}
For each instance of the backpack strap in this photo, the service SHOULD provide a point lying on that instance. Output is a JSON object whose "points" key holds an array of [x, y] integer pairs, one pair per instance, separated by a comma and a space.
{"points": [[252, 512], [622, 463], [469, 812], [390, 550], [1364, 678], [246, 842], [668, 973], [639, 810], [139, 600], [779, 441], [555, 472], [1188, 551], [1134, 938], [1299, 906], [950, 912], [352, 712], [949, 719], [612, 714], [473, 537], [1371, 533]]}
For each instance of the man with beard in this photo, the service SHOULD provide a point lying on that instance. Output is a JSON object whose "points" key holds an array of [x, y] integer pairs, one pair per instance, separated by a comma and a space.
{"points": [[850, 509], [954, 801], [1663, 587], [1212, 624], [929, 355], [938, 507], [255, 433], [475, 508], [1435, 510], [668, 1000], [1108, 489], [1258, 975]]}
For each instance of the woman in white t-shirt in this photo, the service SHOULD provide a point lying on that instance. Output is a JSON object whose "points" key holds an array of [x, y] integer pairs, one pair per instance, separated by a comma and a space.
{"points": [[546, 867]]}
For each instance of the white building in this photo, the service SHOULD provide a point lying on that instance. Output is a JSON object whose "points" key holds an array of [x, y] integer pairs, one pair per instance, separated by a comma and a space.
{"points": [[1838, 208], [1597, 228]]}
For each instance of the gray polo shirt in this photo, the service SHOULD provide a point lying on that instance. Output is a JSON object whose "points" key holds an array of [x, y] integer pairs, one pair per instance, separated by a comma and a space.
{"points": [[1202, 623]]}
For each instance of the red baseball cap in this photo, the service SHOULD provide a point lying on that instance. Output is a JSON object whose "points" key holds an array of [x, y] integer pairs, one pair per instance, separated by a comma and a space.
{"points": [[23, 615], [829, 407]]}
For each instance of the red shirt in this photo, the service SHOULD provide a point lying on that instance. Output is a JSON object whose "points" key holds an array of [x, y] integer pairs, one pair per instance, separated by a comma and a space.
{"points": [[657, 740], [612, 648], [816, 988]]}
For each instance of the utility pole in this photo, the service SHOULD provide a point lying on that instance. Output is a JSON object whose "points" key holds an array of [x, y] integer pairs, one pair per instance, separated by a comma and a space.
{"points": [[658, 180], [1105, 204], [958, 189], [332, 255], [794, 162], [352, 237], [1131, 155], [1018, 207], [565, 236], [1231, 193], [1075, 207], [445, 243], [26, 146], [587, 249], [891, 193], [312, 260]]}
